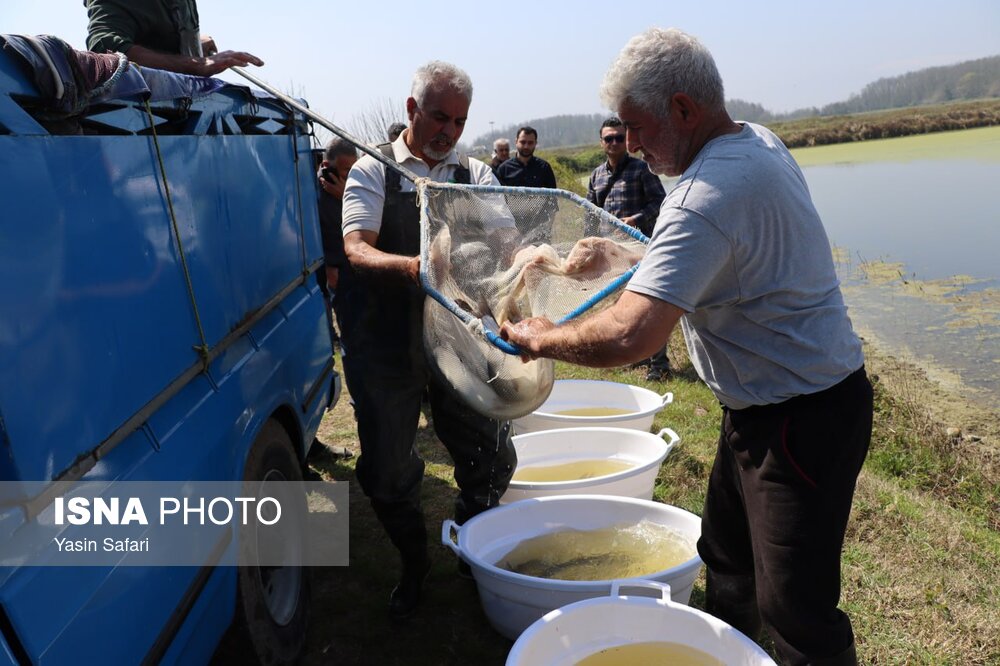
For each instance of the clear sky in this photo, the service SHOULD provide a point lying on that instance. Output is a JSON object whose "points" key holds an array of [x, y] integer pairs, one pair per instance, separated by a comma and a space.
{"points": [[536, 59]]}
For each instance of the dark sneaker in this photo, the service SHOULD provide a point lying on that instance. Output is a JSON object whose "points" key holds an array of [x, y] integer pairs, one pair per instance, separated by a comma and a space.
{"points": [[658, 375], [405, 597]]}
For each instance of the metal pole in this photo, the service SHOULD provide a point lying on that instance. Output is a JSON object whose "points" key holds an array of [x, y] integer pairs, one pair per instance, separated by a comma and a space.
{"points": [[377, 154]]}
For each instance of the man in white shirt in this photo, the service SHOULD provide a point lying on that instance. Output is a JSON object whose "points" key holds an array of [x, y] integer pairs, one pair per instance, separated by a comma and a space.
{"points": [[382, 305]]}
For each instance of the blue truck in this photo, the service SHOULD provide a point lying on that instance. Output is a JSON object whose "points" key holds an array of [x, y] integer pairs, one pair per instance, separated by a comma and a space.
{"points": [[160, 319]]}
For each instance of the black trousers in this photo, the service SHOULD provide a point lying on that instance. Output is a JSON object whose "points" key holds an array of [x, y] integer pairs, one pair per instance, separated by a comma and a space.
{"points": [[387, 374], [776, 511]]}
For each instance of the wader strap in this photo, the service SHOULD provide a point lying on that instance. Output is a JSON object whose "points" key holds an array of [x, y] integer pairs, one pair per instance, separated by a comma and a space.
{"points": [[462, 173], [391, 175]]}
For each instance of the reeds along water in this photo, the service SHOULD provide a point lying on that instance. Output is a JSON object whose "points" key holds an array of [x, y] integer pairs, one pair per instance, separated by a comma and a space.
{"points": [[620, 551]]}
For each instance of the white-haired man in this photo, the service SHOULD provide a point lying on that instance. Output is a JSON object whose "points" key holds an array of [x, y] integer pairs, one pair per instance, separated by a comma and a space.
{"points": [[381, 306], [740, 257], [501, 153]]}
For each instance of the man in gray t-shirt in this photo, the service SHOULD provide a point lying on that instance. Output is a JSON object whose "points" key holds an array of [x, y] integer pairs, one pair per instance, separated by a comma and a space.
{"points": [[739, 256], [740, 249]]}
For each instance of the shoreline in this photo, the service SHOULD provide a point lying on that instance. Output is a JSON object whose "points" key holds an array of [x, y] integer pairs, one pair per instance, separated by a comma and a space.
{"points": [[936, 392]]}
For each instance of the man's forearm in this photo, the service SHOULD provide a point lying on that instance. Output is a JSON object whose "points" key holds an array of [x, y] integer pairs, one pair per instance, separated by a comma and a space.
{"points": [[589, 342], [365, 258], [632, 329], [173, 62], [206, 66]]}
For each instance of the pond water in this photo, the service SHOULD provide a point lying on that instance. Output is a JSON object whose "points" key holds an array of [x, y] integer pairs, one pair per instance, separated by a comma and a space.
{"points": [[915, 223]]}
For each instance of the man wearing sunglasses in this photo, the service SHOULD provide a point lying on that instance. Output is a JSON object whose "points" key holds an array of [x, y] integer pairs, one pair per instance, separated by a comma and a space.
{"points": [[624, 186]]}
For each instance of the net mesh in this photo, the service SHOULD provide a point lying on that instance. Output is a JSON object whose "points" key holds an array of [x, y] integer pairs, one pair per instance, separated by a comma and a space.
{"points": [[496, 254]]}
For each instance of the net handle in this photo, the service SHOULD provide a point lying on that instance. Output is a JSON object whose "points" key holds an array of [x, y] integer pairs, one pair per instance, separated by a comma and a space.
{"points": [[491, 334], [320, 120]]}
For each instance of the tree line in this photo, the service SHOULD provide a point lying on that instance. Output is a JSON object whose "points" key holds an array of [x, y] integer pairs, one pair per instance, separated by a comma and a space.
{"points": [[972, 79]]}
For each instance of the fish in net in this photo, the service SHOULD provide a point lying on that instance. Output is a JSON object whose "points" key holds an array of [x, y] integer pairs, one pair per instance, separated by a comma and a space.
{"points": [[495, 254]]}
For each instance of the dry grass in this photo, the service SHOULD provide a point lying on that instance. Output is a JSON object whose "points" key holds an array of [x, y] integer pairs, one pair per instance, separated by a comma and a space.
{"points": [[919, 579], [919, 565]]}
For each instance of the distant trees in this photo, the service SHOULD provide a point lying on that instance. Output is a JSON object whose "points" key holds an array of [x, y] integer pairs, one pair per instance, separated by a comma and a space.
{"points": [[749, 111], [972, 79], [371, 125]]}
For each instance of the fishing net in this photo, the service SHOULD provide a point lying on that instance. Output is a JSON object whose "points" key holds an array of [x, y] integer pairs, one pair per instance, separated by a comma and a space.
{"points": [[496, 254]]}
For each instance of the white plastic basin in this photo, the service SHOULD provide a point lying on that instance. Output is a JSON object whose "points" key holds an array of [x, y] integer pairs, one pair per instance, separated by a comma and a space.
{"points": [[643, 450], [642, 405], [513, 601], [565, 636]]}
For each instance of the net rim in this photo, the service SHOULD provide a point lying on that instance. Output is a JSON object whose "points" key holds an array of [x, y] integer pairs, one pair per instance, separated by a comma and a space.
{"points": [[492, 336]]}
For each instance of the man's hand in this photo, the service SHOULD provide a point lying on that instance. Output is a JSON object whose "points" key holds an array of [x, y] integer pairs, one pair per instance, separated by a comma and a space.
{"points": [[331, 182], [632, 221], [413, 269], [220, 62], [526, 334], [208, 65]]}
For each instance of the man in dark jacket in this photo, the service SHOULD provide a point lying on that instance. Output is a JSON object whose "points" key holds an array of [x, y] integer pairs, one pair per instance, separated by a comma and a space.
{"points": [[524, 169], [338, 158]]}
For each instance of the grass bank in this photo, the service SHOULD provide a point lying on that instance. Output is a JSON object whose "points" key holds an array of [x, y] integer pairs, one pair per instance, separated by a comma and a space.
{"points": [[825, 130], [923, 543]]}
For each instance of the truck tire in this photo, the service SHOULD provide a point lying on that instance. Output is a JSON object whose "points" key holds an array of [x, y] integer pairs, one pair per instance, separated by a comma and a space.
{"points": [[272, 603]]}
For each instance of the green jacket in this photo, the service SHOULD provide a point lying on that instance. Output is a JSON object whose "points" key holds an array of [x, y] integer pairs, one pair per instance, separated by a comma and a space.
{"points": [[168, 26]]}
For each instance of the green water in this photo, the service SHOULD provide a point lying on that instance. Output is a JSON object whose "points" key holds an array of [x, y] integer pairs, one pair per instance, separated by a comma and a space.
{"points": [[915, 222], [980, 144]]}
